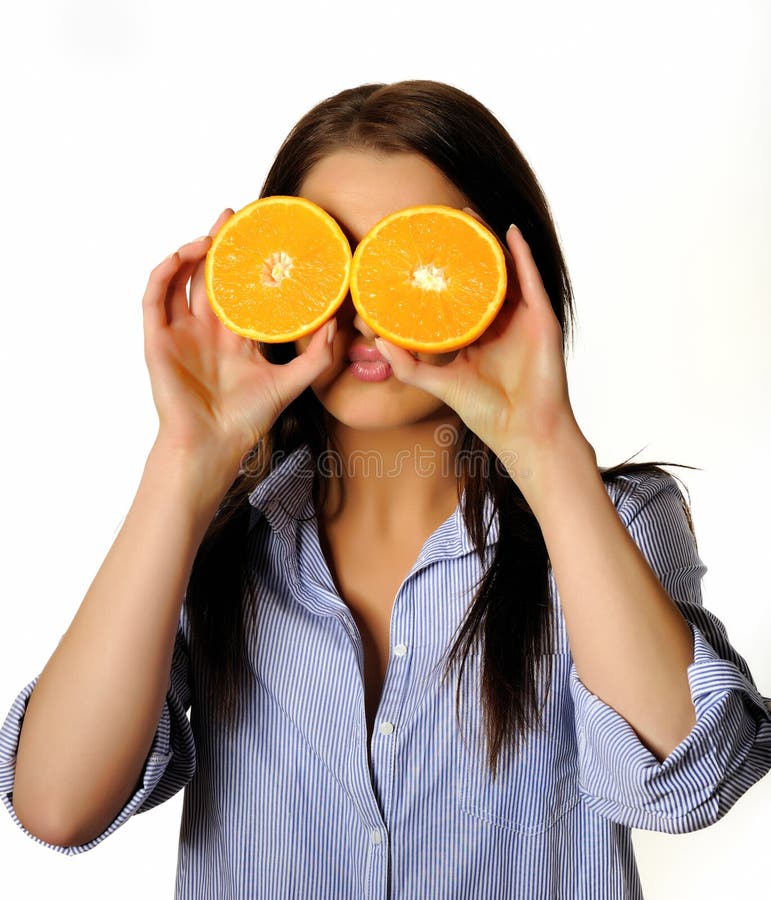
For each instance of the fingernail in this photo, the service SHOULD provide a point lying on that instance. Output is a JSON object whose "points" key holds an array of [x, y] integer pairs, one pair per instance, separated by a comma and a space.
{"points": [[331, 330], [382, 348], [514, 227]]}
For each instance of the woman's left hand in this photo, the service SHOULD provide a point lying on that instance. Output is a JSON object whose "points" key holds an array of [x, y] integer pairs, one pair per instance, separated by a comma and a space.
{"points": [[510, 385]]}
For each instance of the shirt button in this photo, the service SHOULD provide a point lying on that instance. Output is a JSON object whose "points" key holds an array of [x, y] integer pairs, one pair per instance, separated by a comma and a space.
{"points": [[386, 728], [400, 650], [374, 836]]}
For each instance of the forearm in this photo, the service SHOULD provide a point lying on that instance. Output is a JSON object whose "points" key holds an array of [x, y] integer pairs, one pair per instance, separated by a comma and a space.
{"points": [[630, 643], [91, 718]]}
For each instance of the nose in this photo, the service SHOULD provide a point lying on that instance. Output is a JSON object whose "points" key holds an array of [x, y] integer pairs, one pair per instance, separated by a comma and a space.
{"points": [[348, 313], [361, 326]]}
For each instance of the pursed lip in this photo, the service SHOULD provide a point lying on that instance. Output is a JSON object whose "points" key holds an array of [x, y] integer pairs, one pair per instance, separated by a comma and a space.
{"points": [[361, 352]]}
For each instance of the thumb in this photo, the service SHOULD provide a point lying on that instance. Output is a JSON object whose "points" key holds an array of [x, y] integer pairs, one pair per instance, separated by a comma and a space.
{"points": [[410, 370], [299, 372]]}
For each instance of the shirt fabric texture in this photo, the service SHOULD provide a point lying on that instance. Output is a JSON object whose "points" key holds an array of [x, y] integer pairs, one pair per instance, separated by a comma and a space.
{"points": [[288, 806]]}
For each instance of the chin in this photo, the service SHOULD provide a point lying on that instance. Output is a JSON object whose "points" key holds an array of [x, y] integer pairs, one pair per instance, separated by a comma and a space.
{"points": [[378, 413], [376, 419]]}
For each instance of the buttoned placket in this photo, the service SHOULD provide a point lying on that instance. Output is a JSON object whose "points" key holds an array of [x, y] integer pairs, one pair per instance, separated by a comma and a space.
{"points": [[389, 718], [323, 598], [377, 768], [371, 775], [372, 770]]}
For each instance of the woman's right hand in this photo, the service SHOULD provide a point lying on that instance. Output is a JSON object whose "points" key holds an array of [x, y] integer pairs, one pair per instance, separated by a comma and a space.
{"points": [[213, 389]]}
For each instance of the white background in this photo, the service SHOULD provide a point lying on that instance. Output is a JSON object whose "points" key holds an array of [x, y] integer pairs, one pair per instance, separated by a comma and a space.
{"points": [[128, 128]]}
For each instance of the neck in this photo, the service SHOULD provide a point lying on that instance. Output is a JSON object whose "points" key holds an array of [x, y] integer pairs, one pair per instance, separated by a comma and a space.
{"points": [[384, 475]]}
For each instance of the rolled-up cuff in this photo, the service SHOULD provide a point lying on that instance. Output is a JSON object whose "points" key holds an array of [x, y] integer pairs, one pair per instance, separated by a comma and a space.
{"points": [[157, 761], [725, 753]]}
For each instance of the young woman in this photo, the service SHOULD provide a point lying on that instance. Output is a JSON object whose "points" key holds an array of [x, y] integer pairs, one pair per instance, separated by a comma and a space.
{"points": [[429, 648]]}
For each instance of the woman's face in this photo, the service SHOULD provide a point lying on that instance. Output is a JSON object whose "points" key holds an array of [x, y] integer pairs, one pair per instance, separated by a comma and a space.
{"points": [[358, 188]]}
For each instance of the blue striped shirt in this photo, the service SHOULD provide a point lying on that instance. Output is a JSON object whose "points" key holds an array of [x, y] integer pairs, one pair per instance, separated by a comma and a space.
{"points": [[289, 805]]}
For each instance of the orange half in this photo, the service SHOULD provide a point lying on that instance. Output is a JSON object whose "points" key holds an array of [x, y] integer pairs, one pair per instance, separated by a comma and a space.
{"points": [[428, 278], [277, 269]]}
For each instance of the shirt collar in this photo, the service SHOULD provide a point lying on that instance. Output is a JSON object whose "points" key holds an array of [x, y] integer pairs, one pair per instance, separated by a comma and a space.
{"points": [[285, 495]]}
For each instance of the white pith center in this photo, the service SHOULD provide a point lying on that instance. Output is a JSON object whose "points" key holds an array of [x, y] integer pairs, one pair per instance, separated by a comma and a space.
{"points": [[429, 278], [276, 268]]}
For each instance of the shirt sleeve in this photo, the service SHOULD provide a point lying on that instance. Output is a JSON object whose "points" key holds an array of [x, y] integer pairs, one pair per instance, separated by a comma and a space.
{"points": [[728, 749], [170, 763]]}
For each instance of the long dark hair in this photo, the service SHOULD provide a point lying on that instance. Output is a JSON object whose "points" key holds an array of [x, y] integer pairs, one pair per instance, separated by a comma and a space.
{"points": [[463, 139]]}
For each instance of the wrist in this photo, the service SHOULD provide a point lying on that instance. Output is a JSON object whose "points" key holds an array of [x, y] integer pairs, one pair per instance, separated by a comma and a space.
{"points": [[216, 455], [540, 470], [198, 477]]}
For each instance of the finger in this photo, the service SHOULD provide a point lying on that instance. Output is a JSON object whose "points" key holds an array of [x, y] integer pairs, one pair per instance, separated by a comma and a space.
{"points": [[409, 370], [513, 286], [154, 299], [222, 218], [299, 372], [475, 214], [531, 287], [176, 295], [199, 302]]}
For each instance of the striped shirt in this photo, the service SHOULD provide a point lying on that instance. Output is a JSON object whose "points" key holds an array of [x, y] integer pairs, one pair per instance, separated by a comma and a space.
{"points": [[294, 803]]}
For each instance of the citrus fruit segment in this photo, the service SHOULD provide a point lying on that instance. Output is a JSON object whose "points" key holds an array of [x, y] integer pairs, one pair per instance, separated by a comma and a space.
{"points": [[428, 278], [277, 269]]}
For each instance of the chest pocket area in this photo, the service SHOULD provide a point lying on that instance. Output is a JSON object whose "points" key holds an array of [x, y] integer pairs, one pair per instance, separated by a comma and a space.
{"points": [[538, 783]]}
